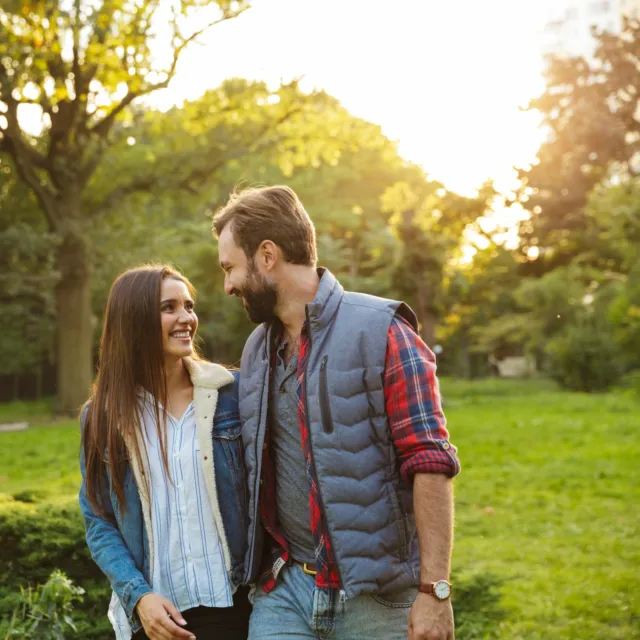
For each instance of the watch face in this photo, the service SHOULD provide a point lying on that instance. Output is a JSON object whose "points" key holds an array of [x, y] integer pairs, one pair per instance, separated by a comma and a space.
{"points": [[442, 590]]}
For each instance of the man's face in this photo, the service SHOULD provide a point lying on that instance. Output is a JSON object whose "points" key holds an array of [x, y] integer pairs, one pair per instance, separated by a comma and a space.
{"points": [[243, 278]]}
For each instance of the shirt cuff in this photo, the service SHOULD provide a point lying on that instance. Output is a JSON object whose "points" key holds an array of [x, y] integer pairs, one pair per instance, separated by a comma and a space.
{"points": [[441, 460]]}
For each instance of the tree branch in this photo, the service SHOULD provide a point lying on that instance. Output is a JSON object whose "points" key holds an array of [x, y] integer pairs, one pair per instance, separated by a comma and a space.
{"points": [[151, 183], [28, 174], [258, 145], [14, 133], [138, 185], [103, 127]]}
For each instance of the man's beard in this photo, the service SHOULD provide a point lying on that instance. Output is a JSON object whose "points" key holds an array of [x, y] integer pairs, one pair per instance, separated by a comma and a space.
{"points": [[260, 297]]}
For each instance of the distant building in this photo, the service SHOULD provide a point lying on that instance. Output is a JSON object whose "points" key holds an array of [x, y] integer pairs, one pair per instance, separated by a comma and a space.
{"points": [[567, 29]]}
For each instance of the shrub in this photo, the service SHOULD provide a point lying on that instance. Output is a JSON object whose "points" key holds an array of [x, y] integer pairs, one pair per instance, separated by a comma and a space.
{"points": [[630, 383], [45, 612], [37, 538], [585, 357]]}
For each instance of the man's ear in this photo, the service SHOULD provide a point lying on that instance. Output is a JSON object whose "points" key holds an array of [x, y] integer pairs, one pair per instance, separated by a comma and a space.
{"points": [[268, 254]]}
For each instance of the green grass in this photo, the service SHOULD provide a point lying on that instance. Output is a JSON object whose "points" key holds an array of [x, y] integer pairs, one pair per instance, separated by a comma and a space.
{"points": [[25, 411], [40, 463], [548, 500]]}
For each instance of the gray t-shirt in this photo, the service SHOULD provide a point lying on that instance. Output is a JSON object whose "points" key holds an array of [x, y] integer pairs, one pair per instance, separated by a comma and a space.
{"points": [[292, 484]]}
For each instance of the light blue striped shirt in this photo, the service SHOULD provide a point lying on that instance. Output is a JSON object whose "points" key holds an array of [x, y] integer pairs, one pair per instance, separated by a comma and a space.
{"points": [[188, 567]]}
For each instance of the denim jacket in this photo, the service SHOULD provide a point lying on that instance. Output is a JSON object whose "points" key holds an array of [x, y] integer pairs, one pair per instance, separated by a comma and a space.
{"points": [[122, 544]]}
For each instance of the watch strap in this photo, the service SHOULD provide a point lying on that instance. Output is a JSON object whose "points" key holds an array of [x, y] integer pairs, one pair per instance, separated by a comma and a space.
{"points": [[426, 587]]}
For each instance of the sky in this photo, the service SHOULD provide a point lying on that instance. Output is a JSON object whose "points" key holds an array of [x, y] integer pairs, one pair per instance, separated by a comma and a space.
{"points": [[444, 78]]}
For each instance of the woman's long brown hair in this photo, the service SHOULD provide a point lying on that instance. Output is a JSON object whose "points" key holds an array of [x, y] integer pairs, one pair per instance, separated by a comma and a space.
{"points": [[131, 358]]}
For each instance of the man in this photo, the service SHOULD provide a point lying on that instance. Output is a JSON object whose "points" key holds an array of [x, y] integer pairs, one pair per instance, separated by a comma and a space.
{"points": [[346, 448]]}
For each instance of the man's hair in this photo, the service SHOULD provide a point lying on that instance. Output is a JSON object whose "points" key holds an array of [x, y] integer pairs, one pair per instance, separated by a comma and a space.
{"points": [[269, 213]]}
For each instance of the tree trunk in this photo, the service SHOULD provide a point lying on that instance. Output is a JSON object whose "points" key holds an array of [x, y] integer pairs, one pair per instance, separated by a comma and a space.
{"points": [[426, 317], [428, 332], [74, 321], [467, 372]]}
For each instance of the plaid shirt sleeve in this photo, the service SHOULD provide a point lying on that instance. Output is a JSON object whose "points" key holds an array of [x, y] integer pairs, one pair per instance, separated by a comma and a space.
{"points": [[412, 399]]}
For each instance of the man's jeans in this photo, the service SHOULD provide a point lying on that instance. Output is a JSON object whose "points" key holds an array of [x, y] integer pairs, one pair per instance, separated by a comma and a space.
{"points": [[294, 609]]}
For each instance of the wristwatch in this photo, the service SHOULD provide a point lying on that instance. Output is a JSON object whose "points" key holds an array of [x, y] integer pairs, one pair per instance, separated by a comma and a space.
{"points": [[440, 590]]}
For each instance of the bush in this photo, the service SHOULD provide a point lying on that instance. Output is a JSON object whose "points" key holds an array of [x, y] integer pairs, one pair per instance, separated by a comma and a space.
{"points": [[34, 540], [630, 384], [585, 357], [45, 613]]}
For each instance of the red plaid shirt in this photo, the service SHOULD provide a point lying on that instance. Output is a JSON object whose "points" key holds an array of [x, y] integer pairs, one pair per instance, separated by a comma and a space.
{"points": [[418, 429]]}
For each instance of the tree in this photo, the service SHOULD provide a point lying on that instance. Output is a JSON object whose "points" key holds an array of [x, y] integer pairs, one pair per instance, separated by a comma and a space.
{"points": [[615, 213], [590, 112], [83, 64], [429, 223], [482, 315], [337, 163]]}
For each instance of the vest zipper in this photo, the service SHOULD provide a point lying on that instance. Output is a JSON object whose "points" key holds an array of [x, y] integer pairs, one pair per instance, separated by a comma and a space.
{"points": [[321, 505], [325, 405], [257, 485]]}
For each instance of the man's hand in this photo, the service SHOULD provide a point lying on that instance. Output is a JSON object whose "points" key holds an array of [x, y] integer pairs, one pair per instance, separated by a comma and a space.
{"points": [[431, 619], [157, 615]]}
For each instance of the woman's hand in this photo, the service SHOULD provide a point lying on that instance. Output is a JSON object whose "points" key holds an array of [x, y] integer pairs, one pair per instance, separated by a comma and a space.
{"points": [[157, 615]]}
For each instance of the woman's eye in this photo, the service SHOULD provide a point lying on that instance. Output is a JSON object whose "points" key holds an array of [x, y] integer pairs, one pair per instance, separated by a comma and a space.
{"points": [[167, 307]]}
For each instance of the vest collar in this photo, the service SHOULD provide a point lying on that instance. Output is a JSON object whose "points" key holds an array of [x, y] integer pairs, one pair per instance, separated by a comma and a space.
{"points": [[325, 305]]}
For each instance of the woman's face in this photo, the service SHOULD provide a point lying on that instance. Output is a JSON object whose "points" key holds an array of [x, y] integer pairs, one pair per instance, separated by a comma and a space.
{"points": [[178, 319]]}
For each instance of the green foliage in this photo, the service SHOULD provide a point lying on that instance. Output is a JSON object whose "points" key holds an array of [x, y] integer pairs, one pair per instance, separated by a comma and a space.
{"points": [[482, 316], [27, 277], [584, 356], [589, 109], [34, 539], [428, 222], [45, 613], [630, 383], [16, 411]]}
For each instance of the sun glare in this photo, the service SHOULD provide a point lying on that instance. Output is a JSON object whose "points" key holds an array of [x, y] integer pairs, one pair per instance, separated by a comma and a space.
{"points": [[444, 79]]}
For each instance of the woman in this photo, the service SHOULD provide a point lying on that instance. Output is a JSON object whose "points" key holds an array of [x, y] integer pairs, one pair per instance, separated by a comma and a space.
{"points": [[163, 491]]}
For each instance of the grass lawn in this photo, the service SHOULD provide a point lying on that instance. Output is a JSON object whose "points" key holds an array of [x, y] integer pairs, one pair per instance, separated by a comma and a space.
{"points": [[41, 462], [548, 500]]}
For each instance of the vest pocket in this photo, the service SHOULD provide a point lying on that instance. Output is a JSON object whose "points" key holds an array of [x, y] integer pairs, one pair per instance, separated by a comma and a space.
{"points": [[325, 403], [401, 522]]}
